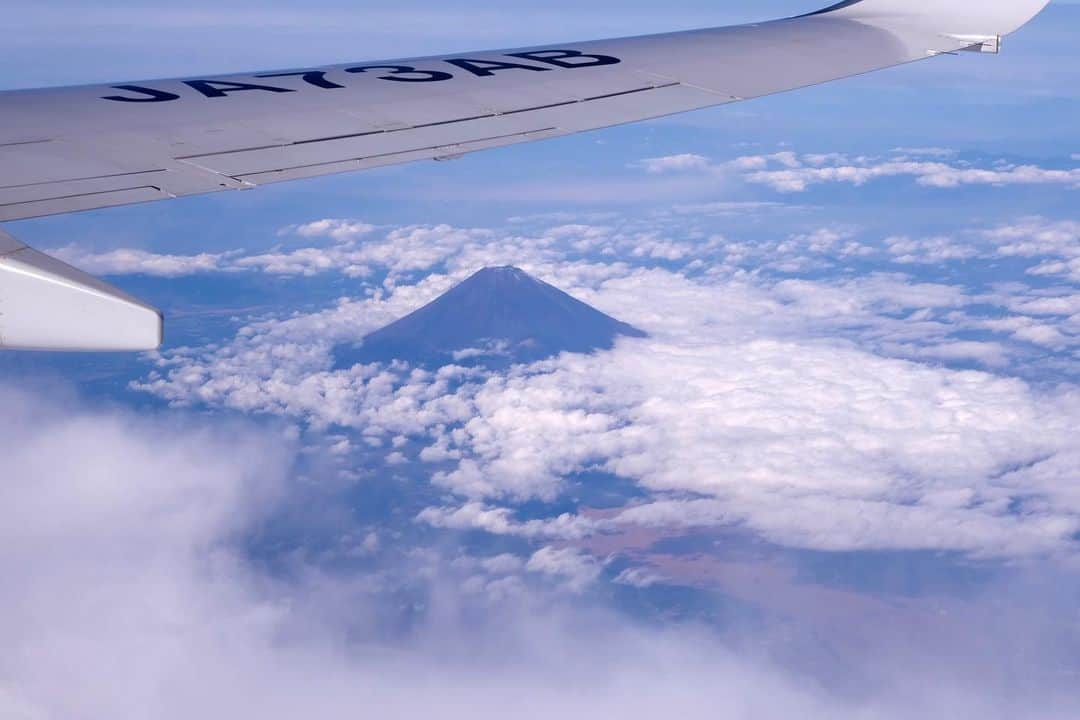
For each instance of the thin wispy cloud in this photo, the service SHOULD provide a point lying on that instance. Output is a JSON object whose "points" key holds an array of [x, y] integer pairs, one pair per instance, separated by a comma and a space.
{"points": [[788, 172]]}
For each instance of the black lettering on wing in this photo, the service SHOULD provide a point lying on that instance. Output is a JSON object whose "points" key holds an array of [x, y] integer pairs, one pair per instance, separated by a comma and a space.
{"points": [[311, 77], [567, 58], [403, 73], [486, 68], [222, 88], [142, 95]]}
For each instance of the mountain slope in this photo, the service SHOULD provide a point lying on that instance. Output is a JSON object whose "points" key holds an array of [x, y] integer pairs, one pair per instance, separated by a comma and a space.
{"points": [[497, 317]]}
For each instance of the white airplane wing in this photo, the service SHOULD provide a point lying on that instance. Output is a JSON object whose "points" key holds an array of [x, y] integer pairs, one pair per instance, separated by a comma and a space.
{"points": [[70, 149]]}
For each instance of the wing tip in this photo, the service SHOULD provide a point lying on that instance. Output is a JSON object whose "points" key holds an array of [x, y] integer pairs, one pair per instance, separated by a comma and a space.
{"points": [[967, 17], [48, 305]]}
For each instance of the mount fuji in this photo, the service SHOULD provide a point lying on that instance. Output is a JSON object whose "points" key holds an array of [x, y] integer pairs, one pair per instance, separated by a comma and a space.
{"points": [[496, 318]]}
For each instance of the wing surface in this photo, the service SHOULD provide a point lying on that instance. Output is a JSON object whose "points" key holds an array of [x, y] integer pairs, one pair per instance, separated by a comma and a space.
{"points": [[70, 149]]}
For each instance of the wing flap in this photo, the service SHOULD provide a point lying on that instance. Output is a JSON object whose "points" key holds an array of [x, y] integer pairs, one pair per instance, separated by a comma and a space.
{"points": [[82, 201], [36, 192], [315, 152], [456, 136], [441, 152]]}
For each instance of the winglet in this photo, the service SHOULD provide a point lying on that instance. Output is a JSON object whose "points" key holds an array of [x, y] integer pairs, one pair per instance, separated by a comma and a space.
{"points": [[976, 18], [48, 305]]}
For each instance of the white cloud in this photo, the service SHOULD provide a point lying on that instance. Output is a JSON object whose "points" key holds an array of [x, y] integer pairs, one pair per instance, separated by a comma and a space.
{"points": [[1056, 243], [334, 228], [989, 354], [1036, 237], [504, 564], [675, 163], [757, 392], [1045, 335], [737, 209], [126, 597], [399, 251], [736, 400], [403, 252], [929, 251], [790, 172], [575, 569], [114, 550], [778, 407], [304, 261], [930, 174], [863, 436], [1069, 269], [500, 521], [126, 261], [638, 577], [1051, 305], [926, 151]]}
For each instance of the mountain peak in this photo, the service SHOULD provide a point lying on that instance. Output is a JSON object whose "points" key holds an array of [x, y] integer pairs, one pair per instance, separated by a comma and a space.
{"points": [[502, 271], [496, 317]]}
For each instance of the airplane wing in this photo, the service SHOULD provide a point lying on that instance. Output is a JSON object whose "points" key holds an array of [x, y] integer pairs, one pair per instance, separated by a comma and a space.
{"points": [[70, 149]]}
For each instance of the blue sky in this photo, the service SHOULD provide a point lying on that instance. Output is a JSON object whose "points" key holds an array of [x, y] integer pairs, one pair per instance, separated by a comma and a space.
{"points": [[839, 478]]}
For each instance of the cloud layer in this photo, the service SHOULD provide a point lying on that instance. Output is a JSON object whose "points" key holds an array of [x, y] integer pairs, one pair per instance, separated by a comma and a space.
{"points": [[830, 413], [124, 552]]}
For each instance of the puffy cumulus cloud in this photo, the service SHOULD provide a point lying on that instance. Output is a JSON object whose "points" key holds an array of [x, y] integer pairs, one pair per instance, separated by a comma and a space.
{"points": [[285, 366], [774, 395], [357, 251], [811, 446], [127, 596], [1065, 303], [929, 251], [817, 249], [1034, 237], [1057, 243], [342, 230], [306, 262], [575, 569], [1066, 268], [500, 521], [1051, 246], [398, 251], [988, 354], [348, 247]]}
